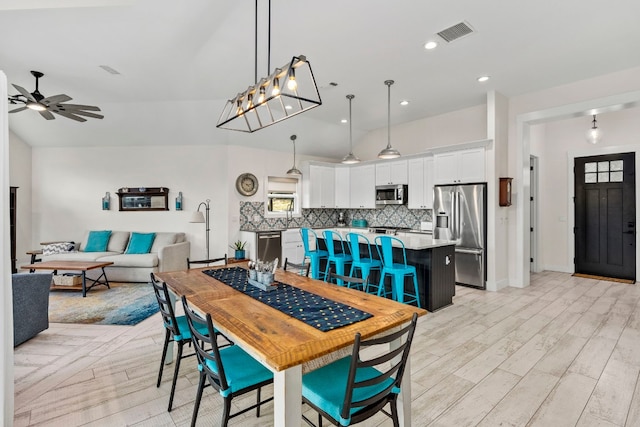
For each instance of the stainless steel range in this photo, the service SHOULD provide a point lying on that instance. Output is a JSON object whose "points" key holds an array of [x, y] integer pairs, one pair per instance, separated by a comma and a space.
{"points": [[388, 230]]}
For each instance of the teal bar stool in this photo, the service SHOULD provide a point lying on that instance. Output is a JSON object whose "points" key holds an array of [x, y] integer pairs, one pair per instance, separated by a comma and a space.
{"points": [[314, 255], [364, 263], [397, 271], [339, 259]]}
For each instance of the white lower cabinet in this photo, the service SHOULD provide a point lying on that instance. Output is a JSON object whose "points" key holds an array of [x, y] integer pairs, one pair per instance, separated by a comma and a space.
{"points": [[292, 247]]}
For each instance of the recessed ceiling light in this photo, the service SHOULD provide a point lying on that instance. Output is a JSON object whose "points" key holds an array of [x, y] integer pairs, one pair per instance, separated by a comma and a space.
{"points": [[288, 107], [343, 121], [404, 102], [430, 45], [483, 79]]}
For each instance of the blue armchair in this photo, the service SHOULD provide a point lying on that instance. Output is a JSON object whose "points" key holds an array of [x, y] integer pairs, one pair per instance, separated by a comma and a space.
{"points": [[30, 305]]}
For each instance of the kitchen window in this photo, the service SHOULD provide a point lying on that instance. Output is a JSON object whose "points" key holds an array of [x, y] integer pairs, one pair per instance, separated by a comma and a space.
{"points": [[282, 197]]}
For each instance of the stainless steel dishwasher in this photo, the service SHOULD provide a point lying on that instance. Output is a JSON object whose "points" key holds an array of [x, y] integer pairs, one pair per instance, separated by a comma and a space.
{"points": [[269, 245]]}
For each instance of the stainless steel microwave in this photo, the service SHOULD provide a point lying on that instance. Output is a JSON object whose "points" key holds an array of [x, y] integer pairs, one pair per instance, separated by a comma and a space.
{"points": [[391, 195]]}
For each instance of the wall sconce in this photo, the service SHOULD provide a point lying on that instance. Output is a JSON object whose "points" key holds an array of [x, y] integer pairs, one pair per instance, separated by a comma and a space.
{"points": [[106, 202], [179, 201]]}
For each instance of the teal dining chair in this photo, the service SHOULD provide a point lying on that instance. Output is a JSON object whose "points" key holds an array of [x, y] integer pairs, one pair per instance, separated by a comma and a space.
{"points": [[396, 270], [337, 259], [176, 330], [355, 388], [314, 255], [364, 263], [231, 371]]}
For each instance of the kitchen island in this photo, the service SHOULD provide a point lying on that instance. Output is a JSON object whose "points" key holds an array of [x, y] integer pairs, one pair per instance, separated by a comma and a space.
{"points": [[434, 260]]}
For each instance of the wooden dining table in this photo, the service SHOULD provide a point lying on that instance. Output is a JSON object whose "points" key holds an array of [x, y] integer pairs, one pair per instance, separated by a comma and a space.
{"points": [[283, 344]]}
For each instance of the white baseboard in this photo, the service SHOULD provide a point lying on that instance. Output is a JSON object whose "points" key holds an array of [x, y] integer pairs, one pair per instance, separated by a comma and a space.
{"points": [[496, 286], [560, 268]]}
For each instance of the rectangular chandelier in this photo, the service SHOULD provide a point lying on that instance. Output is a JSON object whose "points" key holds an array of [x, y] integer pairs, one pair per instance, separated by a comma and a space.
{"points": [[288, 91]]}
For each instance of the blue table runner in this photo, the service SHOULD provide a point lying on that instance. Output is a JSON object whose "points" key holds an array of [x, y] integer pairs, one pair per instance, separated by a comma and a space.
{"points": [[321, 313]]}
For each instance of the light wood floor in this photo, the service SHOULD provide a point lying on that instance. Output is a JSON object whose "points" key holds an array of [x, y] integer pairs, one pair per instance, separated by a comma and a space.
{"points": [[562, 352]]}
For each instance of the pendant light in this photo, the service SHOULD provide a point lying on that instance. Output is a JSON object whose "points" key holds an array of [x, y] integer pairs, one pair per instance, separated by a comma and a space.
{"points": [[594, 135], [294, 170], [287, 91], [389, 152], [350, 158]]}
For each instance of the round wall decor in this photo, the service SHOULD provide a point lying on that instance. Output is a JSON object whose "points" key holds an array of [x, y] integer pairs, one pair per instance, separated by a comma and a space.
{"points": [[247, 184]]}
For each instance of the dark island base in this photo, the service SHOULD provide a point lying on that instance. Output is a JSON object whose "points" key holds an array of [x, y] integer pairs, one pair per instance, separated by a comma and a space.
{"points": [[435, 268]]}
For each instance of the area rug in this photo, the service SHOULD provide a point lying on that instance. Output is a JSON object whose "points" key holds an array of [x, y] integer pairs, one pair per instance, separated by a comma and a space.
{"points": [[123, 304], [607, 279]]}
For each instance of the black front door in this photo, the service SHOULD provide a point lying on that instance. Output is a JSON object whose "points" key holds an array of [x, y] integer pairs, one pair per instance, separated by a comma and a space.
{"points": [[605, 215]]}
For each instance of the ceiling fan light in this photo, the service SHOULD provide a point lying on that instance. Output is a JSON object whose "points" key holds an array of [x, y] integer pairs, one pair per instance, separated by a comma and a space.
{"points": [[36, 106]]}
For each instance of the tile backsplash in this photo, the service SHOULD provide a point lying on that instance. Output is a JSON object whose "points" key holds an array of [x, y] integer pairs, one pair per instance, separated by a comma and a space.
{"points": [[252, 217]]}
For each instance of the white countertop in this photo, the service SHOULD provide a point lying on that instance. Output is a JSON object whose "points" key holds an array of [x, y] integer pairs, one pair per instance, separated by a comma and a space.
{"points": [[413, 241]]}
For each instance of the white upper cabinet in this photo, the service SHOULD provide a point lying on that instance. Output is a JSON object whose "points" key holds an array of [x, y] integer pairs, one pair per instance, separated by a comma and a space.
{"points": [[391, 172], [462, 166], [321, 187], [420, 174], [342, 187], [363, 189]]}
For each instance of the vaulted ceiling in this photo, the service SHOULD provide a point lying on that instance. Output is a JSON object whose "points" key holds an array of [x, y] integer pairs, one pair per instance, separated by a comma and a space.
{"points": [[180, 61]]}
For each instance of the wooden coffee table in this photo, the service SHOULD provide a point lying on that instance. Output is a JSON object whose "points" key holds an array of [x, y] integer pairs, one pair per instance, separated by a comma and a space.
{"points": [[81, 266]]}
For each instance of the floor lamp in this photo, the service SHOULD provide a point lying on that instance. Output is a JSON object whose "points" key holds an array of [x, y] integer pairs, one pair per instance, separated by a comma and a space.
{"points": [[197, 216]]}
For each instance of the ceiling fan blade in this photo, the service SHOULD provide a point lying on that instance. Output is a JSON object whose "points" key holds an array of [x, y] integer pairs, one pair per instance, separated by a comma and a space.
{"points": [[69, 115], [70, 107], [86, 114], [55, 99], [24, 93], [18, 109], [46, 114]]}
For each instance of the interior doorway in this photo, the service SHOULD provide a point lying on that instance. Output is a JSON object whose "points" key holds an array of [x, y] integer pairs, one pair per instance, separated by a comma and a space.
{"points": [[605, 212], [533, 214]]}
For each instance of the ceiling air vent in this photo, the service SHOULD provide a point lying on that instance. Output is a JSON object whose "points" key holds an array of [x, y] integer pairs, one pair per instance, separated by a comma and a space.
{"points": [[456, 32]]}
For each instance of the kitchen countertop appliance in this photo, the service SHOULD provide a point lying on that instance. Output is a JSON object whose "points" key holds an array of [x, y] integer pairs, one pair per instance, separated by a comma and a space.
{"points": [[460, 213], [341, 220]]}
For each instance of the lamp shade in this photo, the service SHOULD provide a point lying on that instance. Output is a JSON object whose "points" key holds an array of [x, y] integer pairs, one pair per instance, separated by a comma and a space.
{"points": [[197, 217]]}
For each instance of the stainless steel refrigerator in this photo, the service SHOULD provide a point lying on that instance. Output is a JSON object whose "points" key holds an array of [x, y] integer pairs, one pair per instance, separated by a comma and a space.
{"points": [[460, 213]]}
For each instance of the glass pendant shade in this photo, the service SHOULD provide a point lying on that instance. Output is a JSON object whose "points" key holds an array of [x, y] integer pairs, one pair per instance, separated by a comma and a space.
{"points": [[389, 152], [294, 170], [594, 135], [350, 158]]}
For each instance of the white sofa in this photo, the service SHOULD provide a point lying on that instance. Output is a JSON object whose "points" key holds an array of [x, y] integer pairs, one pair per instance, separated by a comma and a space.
{"points": [[169, 252]]}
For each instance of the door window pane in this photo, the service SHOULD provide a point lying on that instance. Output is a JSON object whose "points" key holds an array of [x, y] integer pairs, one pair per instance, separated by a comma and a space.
{"points": [[607, 171], [616, 165], [616, 176]]}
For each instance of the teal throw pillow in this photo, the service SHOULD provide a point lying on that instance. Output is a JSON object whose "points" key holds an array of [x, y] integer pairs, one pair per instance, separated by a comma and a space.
{"points": [[98, 241], [140, 243]]}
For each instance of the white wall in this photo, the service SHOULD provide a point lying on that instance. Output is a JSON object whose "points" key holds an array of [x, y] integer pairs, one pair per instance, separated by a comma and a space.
{"points": [[562, 140], [20, 176], [69, 183], [570, 100], [469, 124], [6, 330]]}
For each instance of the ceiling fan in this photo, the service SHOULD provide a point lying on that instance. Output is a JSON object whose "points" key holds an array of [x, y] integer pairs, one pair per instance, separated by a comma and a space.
{"points": [[51, 104]]}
